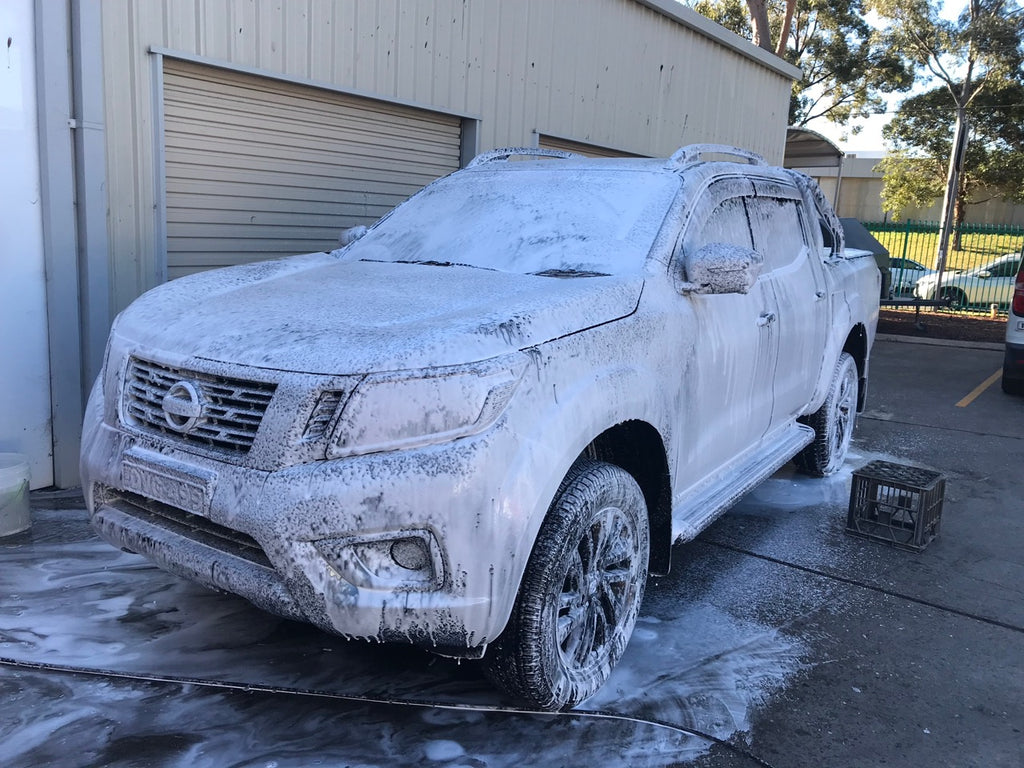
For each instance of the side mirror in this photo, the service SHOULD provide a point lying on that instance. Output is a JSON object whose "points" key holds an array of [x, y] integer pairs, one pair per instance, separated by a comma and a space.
{"points": [[350, 235], [984, 274], [722, 268]]}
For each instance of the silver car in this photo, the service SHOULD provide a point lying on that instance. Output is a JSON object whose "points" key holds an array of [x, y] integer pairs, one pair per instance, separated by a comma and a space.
{"points": [[991, 283], [905, 274]]}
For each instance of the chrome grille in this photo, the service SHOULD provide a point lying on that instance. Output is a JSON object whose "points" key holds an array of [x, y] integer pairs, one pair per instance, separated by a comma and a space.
{"points": [[232, 408]]}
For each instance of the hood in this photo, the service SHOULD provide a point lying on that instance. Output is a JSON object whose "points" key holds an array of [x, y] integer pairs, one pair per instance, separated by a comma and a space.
{"points": [[318, 314]]}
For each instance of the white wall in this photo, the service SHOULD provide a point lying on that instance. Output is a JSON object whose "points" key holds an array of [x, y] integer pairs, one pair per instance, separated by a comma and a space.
{"points": [[24, 355]]}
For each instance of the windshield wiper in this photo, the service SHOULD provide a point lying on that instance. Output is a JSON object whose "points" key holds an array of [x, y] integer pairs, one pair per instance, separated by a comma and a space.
{"points": [[429, 263], [569, 273]]}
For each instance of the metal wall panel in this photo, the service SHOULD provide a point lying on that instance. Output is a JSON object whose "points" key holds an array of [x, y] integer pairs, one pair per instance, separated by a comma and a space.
{"points": [[257, 169], [581, 148], [645, 76]]}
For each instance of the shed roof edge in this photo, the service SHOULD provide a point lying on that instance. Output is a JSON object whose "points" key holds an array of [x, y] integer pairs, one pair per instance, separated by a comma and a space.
{"points": [[676, 11]]}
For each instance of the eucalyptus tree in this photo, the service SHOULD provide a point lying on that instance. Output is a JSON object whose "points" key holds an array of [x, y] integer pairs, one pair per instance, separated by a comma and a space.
{"points": [[846, 69], [981, 48], [921, 135]]}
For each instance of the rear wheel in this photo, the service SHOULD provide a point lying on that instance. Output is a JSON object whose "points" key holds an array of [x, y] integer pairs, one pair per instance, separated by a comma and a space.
{"points": [[1012, 386], [832, 423], [580, 594]]}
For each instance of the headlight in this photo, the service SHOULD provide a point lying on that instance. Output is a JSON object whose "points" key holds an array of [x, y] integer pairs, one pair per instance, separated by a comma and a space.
{"points": [[409, 409]]}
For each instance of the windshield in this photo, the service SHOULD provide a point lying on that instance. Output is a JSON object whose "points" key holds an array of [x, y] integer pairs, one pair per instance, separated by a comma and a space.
{"points": [[557, 222]]}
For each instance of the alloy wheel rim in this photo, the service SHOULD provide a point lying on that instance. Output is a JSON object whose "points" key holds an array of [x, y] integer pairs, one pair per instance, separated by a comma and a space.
{"points": [[843, 421], [597, 591]]}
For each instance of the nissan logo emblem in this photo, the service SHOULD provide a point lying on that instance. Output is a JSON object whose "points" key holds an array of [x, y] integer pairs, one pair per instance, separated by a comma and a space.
{"points": [[183, 406]]}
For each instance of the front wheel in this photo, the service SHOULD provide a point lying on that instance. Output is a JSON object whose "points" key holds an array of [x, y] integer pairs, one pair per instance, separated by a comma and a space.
{"points": [[580, 594], [832, 423]]}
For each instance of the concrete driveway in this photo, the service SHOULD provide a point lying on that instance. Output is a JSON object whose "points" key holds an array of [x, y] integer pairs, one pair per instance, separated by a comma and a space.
{"points": [[777, 640]]}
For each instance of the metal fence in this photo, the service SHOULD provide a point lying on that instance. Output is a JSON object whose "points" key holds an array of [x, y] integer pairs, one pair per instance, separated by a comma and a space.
{"points": [[981, 263]]}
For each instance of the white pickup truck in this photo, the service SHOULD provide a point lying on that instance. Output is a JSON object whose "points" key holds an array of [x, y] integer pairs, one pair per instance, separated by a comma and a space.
{"points": [[479, 425]]}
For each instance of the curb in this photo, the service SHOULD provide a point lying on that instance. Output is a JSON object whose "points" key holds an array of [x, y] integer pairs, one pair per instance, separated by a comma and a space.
{"points": [[987, 345]]}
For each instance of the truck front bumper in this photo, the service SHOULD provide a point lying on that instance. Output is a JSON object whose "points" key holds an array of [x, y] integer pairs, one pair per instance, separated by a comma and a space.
{"points": [[417, 546]]}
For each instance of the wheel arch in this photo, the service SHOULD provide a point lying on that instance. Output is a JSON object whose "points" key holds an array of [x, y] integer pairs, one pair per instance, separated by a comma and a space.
{"points": [[856, 345], [637, 447]]}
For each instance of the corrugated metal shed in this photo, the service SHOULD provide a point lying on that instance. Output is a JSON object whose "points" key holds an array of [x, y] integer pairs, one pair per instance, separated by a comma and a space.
{"points": [[257, 168], [643, 77]]}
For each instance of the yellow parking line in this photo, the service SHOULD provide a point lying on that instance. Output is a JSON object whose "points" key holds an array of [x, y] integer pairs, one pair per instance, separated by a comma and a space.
{"points": [[979, 389]]}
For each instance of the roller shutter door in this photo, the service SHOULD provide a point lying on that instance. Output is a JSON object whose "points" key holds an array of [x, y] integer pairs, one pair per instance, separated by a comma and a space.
{"points": [[590, 150], [258, 168]]}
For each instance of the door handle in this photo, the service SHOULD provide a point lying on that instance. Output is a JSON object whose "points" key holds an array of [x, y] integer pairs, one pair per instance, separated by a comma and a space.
{"points": [[819, 295], [766, 318]]}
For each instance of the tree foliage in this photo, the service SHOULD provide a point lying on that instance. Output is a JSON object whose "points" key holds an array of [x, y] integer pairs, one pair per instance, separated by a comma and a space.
{"points": [[731, 14], [909, 182], [921, 134], [982, 45], [976, 60], [846, 69]]}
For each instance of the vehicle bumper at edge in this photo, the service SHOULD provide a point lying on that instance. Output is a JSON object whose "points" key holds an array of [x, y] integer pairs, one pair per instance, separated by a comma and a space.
{"points": [[1013, 362]]}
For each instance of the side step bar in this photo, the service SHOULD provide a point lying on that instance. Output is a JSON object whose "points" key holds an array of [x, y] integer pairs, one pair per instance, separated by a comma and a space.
{"points": [[701, 505]]}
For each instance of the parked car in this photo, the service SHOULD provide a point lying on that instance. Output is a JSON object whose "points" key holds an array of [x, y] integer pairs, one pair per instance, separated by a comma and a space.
{"points": [[905, 274], [991, 283], [478, 426], [1013, 362]]}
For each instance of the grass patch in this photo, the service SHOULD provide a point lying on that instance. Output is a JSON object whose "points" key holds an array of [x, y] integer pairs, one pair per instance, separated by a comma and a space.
{"points": [[920, 242]]}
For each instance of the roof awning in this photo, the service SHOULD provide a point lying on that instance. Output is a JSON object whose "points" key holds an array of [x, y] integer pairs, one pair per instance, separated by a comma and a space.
{"points": [[809, 149]]}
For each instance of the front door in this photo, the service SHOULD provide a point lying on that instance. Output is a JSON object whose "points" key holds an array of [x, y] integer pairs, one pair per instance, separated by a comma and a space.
{"points": [[728, 383]]}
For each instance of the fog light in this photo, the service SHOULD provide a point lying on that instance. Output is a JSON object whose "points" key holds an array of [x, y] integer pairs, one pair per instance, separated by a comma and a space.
{"points": [[411, 554], [393, 560]]}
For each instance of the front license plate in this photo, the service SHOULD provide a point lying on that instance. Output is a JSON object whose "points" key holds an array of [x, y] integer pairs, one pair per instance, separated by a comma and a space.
{"points": [[167, 483]]}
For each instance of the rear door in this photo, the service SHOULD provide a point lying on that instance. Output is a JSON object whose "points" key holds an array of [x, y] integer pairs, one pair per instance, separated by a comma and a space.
{"points": [[792, 272]]}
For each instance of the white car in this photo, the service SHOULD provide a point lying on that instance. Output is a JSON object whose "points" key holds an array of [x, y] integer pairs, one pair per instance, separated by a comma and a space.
{"points": [[905, 274], [478, 426], [991, 283], [1013, 362]]}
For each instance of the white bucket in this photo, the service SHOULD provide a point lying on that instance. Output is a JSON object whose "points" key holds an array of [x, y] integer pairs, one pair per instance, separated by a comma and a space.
{"points": [[14, 515]]}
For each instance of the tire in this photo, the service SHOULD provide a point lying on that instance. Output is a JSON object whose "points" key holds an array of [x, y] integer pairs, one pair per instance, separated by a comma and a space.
{"points": [[957, 298], [580, 594], [1012, 386], [832, 423]]}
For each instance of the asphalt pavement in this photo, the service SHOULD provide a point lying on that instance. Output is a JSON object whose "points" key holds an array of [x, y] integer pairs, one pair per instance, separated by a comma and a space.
{"points": [[778, 639], [918, 658]]}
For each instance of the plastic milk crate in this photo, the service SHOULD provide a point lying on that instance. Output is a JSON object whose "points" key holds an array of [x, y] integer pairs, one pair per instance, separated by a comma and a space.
{"points": [[897, 504]]}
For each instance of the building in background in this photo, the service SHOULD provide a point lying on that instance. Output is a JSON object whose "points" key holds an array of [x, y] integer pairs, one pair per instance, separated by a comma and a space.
{"points": [[861, 197]]}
